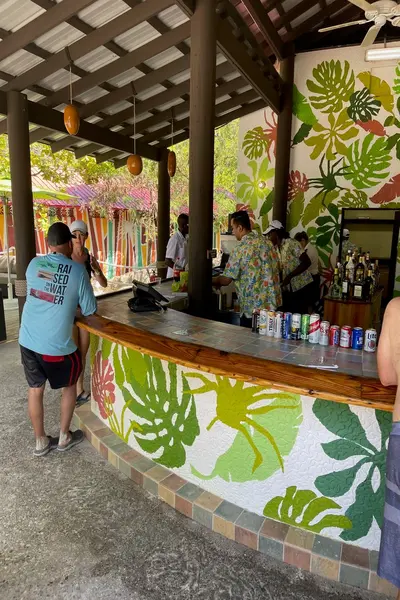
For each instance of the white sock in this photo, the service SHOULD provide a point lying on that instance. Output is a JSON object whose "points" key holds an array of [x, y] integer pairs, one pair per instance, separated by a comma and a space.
{"points": [[63, 438], [42, 442]]}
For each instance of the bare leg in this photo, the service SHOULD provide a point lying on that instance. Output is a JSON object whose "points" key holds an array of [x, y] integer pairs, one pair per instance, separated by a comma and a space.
{"points": [[68, 401], [35, 410], [83, 345], [398, 595]]}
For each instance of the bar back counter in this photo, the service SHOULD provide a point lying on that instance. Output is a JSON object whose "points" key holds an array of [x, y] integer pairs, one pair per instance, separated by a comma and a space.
{"points": [[279, 445]]}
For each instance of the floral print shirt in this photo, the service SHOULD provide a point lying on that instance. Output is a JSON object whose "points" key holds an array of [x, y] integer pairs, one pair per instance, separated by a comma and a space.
{"points": [[290, 253], [254, 265]]}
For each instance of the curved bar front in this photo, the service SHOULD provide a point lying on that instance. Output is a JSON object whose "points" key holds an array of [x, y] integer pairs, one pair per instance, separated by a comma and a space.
{"points": [[230, 429]]}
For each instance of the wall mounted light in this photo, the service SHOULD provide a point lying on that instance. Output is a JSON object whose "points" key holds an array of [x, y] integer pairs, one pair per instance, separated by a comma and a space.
{"points": [[388, 53]]}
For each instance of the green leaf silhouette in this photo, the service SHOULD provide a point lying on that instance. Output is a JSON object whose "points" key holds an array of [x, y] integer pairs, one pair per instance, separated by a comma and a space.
{"points": [[369, 163], [253, 188], [303, 132], [255, 143], [363, 106], [105, 348], [332, 85], [363, 510], [354, 199], [332, 138], [301, 508], [378, 88], [295, 211], [301, 108]]}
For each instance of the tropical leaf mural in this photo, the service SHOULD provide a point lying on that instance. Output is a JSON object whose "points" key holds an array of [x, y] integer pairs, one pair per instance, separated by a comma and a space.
{"points": [[255, 143], [331, 139], [363, 106], [368, 162], [253, 188], [304, 509], [332, 86]]}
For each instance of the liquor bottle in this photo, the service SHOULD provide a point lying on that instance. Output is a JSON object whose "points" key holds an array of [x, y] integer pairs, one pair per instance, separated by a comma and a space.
{"points": [[346, 286], [350, 267], [377, 274], [346, 262], [359, 280], [359, 274], [368, 261], [340, 272], [336, 290], [368, 286]]}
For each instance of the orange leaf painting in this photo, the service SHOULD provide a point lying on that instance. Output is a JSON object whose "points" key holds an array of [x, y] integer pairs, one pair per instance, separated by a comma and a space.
{"points": [[373, 126], [388, 192]]}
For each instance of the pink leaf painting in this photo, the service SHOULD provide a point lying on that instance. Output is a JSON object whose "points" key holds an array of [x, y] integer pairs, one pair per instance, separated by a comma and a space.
{"points": [[373, 126], [388, 192]]}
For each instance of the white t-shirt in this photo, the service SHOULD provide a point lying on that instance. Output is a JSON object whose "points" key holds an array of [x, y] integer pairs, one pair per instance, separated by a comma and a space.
{"points": [[176, 251], [312, 254]]}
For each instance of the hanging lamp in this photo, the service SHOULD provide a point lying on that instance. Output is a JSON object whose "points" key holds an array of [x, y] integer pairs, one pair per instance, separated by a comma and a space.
{"points": [[72, 120], [171, 164], [134, 162]]}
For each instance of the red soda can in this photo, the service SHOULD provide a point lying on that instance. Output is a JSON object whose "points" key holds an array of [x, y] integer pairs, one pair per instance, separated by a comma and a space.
{"points": [[334, 335], [345, 337]]}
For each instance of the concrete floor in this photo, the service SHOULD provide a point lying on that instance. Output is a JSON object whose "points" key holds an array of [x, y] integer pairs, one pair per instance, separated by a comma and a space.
{"points": [[72, 527]]}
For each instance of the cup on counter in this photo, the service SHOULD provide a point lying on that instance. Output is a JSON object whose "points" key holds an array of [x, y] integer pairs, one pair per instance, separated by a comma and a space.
{"points": [[236, 306]]}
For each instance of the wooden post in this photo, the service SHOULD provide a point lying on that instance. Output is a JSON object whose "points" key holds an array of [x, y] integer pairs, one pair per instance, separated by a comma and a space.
{"points": [[163, 213], [283, 142], [201, 155], [21, 183]]}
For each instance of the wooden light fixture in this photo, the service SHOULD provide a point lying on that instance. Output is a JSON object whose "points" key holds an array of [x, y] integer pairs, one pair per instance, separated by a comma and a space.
{"points": [[134, 162], [72, 119]]}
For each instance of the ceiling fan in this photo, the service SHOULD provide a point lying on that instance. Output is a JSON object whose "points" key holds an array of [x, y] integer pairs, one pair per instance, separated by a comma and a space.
{"points": [[378, 13]]}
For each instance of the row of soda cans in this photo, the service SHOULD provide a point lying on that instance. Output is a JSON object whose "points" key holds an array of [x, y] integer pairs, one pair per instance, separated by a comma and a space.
{"points": [[295, 326]]}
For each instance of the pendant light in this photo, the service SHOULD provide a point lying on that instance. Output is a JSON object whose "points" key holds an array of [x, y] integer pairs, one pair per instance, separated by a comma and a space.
{"points": [[171, 165], [71, 114], [134, 162]]}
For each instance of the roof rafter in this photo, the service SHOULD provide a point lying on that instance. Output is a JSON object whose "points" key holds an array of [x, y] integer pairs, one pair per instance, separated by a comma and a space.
{"points": [[316, 19], [260, 17]]}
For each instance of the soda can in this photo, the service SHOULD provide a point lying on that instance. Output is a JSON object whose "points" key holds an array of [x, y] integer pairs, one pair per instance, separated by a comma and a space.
{"points": [[357, 338], [334, 335], [296, 325], [270, 323], [324, 333], [263, 322], [345, 337], [305, 326], [255, 321], [370, 340], [313, 333], [278, 325], [287, 326]]}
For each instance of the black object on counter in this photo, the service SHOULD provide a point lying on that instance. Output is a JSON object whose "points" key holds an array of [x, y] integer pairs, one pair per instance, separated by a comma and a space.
{"points": [[3, 333]]}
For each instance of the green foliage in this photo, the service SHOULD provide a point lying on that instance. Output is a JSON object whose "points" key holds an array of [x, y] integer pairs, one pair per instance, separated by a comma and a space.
{"points": [[316, 206], [328, 227], [303, 132], [368, 164], [255, 143], [301, 508], [253, 189], [363, 106], [379, 89], [164, 405], [331, 138], [353, 199], [332, 85], [266, 209], [352, 442], [266, 431], [295, 211], [396, 83], [301, 108]]}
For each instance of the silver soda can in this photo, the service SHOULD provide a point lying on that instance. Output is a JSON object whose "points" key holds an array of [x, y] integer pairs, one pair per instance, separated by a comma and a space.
{"points": [[263, 322], [313, 335], [370, 340], [270, 323], [296, 326], [278, 325], [324, 333]]}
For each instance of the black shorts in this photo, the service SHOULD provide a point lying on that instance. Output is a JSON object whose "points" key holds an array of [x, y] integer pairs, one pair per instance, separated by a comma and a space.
{"points": [[60, 371]]}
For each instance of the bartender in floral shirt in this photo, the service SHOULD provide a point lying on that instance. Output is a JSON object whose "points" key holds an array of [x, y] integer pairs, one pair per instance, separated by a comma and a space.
{"points": [[253, 266]]}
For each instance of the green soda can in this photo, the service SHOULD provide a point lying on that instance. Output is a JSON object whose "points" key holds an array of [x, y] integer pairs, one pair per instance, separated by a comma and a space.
{"points": [[305, 326]]}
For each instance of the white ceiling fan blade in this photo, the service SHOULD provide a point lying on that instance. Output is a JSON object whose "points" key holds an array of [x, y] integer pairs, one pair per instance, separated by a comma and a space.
{"points": [[371, 36], [361, 4], [362, 22]]}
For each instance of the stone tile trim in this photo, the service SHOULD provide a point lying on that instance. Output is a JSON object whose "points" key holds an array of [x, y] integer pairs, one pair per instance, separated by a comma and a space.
{"points": [[320, 555]]}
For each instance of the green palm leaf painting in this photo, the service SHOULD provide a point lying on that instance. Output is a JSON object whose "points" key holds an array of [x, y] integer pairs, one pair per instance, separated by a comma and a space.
{"points": [[255, 143], [363, 106], [354, 199], [304, 509], [352, 442], [161, 401], [252, 189], [267, 423], [368, 162], [332, 139], [379, 89], [332, 86]]}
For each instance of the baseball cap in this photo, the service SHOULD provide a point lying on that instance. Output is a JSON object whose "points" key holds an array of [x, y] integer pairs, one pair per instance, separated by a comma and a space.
{"points": [[59, 234], [275, 224], [346, 233], [78, 226]]}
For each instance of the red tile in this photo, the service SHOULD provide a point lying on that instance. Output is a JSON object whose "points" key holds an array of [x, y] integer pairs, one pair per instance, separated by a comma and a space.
{"points": [[353, 555], [104, 451], [246, 537], [136, 476], [298, 558], [184, 506], [130, 455], [174, 482]]}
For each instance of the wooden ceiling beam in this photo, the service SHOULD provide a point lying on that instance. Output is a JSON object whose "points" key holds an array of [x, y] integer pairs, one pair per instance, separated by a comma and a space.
{"points": [[315, 20], [41, 25], [261, 19], [292, 14]]}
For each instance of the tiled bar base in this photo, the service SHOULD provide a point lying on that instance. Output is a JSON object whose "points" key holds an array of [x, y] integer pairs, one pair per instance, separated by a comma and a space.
{"points": [[320, 555]]}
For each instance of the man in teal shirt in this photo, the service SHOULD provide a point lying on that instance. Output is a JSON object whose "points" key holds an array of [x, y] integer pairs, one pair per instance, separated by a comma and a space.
{"points": [[56, 285]]}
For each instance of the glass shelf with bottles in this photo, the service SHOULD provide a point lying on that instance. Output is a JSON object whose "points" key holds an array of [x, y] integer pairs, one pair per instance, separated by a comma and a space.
{"points": [[356, 279]]}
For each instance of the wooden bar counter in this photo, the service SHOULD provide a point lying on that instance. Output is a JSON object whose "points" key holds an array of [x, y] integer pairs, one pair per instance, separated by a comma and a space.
{"points": [[277, 428]]}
